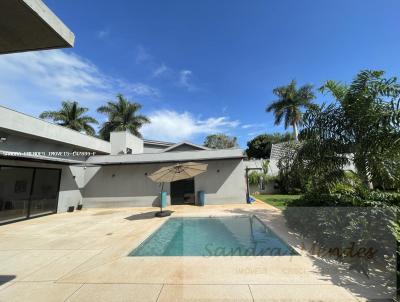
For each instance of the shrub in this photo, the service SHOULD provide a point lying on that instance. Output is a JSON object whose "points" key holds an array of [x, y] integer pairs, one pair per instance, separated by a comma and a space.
{"points": [[254, 178], [291, 177], [348, 185]]}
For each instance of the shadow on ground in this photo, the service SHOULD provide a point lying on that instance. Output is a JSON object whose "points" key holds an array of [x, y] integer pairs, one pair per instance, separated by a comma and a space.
{"points": [[143, 216], [378, 285], [6, 278]]}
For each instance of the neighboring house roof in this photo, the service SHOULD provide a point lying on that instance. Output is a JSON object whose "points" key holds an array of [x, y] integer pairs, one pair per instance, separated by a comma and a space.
{"points": [[158, 143], [280, 149], [182, 156], [31, 25], [192, 146], [277, 152]]}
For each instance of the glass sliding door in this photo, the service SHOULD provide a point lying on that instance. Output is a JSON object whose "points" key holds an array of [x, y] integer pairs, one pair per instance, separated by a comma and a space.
{"points": [[15, 190], [44, 192], [27, 192]]}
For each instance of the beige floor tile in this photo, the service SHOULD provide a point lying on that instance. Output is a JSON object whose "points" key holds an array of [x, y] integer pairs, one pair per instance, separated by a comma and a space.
{"points": [[205, 293], [37, 292], [62, 266], [59, 247], [195, 270], [116, 293], [27, 262], [5, 256], [300, 293], [20, 242]]}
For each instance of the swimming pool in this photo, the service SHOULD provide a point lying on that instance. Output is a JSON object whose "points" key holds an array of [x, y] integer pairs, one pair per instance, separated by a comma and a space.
{"points": [[213, 236]]}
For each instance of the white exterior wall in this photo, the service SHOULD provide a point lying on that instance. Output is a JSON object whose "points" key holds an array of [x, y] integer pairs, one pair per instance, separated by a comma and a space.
{"points": [[18, 143], [124, 182], [122, 140], [129, 186], [121, 186], [71, 186], [223, 183]]}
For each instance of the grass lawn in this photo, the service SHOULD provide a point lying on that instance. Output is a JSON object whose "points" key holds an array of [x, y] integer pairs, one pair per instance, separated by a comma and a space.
{"points": [[279, 201]]}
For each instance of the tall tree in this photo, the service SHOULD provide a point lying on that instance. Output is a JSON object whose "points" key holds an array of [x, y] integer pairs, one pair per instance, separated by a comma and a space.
{"points": [[260, 146], [220, 141], [362, 126], [71, 116], [288, 106], [122, 115]]}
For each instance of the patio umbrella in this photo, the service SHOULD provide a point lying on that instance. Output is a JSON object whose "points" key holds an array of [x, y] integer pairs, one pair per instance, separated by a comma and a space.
{"points": [[176, 172]]}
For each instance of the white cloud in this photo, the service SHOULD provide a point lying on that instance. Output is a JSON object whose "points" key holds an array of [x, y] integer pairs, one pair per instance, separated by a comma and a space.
{"points": [[185, 79], [161, 70], [142, 89], [253, 126], [47, 77], [175, 126], [142, 55], [55, 73], [253, 134], [104, 33], [182, 78]]}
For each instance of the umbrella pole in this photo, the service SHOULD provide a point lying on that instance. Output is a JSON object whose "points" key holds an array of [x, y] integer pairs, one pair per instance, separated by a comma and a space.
{"points": [[162, 189]]}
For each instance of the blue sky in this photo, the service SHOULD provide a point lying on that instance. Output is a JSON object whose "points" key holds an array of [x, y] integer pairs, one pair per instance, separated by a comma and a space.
{"points": [[200, 67]]}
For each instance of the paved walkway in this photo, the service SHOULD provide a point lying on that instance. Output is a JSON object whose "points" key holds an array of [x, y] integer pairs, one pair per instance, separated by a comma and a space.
{"points": [[82, 256]]}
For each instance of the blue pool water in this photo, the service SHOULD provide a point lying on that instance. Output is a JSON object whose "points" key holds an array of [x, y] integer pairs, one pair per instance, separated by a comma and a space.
{"points": [[216, 236]]}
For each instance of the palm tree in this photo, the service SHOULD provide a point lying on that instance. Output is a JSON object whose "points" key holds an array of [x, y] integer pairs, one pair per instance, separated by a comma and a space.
{"points": [[289, 104], [71, 116], [122, 116], [364, 122]]}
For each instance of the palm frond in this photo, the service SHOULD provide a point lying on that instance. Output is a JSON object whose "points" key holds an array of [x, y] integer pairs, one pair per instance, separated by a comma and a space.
{"points": [[122, 115]]}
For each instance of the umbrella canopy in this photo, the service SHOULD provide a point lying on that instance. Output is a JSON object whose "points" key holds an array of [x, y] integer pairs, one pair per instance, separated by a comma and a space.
{"points": [[178, 172]]}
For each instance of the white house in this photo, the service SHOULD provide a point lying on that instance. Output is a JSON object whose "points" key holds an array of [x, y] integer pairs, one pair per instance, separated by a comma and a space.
{"points": [[46, 168]]}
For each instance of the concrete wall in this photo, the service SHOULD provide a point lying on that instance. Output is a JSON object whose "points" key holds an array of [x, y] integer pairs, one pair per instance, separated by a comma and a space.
{"points": [[269, 188], [128, 185], [223, 183], [31, 25], [71, 186], [122, 140], [72, 181], [121, 186], [18, 143]]}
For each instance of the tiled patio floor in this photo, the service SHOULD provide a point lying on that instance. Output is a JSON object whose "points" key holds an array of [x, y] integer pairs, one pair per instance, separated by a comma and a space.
{"points": [[82, 256]]}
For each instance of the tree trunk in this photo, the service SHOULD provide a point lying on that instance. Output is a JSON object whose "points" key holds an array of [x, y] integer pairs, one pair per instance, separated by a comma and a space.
{"points": [[295, 132], [362, 171]]}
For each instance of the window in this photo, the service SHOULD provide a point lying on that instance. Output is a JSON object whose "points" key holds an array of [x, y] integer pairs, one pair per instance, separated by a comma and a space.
{"points": [[27, 192]]}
